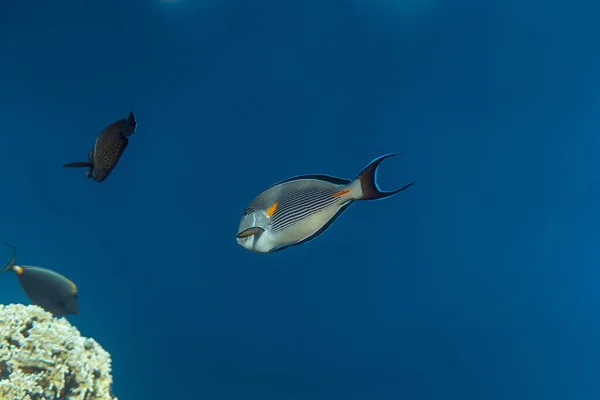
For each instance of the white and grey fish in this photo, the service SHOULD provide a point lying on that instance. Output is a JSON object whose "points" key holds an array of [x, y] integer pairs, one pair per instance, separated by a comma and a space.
{"points": [[108, 148], [299, 209]]}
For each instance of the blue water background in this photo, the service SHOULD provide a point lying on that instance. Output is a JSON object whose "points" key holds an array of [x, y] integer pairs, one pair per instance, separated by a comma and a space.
{"points": [[479, 282]]}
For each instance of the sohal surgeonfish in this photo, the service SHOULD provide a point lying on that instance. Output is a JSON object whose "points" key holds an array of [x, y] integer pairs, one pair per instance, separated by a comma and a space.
{"points": [[107, 150], [299, 209], [45, 288]]}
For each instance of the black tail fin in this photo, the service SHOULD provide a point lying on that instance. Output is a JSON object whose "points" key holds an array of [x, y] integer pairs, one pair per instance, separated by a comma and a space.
{"points": [[11, 261], [368, 181], [78, 164]]}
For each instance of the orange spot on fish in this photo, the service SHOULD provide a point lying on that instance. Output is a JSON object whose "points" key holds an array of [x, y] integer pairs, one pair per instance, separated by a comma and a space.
{"points": [[271, 210], [341, 193], [17, 269]]}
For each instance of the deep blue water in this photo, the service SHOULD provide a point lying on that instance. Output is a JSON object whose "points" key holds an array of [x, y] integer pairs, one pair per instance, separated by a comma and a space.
{"points": [[479, 282]]}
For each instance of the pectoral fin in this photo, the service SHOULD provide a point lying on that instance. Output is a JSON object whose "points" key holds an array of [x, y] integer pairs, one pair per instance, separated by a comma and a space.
{"points": [[255, 230]]}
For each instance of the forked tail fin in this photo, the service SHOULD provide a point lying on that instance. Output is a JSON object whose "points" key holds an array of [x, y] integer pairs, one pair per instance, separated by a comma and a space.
{"points": [[368, 181], [12, 260]]}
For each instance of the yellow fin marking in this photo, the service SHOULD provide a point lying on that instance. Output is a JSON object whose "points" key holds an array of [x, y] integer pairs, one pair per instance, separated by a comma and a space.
{"points": [[17, 269], [341, 193], [271, 210]]}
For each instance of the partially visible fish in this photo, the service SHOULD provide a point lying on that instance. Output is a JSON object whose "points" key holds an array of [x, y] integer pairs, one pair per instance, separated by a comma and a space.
{"points": [[108, 148], [299, 209], [44, 287]]}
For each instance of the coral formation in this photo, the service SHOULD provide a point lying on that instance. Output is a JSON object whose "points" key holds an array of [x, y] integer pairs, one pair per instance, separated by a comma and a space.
{"points": [[43, 357]]}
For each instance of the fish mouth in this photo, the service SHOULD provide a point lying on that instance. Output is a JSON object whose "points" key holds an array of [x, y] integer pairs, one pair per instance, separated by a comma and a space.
{"points": [[255, 230]]}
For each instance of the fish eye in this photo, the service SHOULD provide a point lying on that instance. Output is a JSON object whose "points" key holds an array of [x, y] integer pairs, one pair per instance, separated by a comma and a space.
{"points": [[246, 211]]}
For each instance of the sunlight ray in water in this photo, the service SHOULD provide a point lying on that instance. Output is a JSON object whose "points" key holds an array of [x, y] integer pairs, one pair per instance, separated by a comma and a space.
{"points": [[398, 7]]}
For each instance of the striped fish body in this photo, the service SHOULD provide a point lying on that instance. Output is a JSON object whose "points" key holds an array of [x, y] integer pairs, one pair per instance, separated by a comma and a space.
{"points": [[299, 209], [106, 153]]}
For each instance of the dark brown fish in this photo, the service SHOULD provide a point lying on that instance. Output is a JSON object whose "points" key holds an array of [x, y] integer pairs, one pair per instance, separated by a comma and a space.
{"points": [[108, 149]]}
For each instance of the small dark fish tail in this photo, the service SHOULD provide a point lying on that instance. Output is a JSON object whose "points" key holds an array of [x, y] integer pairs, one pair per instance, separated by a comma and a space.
{"points": [[11, 261], [78, 164], [368, 181]]}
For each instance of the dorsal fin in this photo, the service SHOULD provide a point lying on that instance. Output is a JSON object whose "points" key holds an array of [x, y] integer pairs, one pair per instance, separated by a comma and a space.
{"points": [[319, 177]]}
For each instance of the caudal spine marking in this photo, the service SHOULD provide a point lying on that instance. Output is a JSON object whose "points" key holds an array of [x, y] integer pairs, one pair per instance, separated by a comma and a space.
{"points": [[341, 193]]}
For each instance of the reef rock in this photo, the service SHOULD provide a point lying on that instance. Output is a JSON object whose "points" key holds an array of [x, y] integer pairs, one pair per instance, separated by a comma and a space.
{"points": [[46, 358]]}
